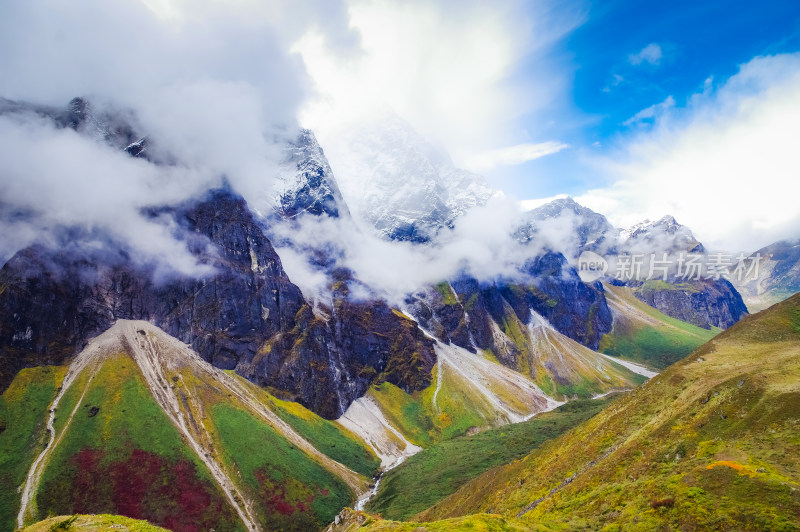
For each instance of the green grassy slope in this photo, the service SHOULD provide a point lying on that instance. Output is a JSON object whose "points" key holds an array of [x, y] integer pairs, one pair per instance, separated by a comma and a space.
{"points": [[291, 491], [643, 334], [23, 413], [328, 437], [352, 521], [440, 470], [127, 458], [711, 443], [117, 451]]}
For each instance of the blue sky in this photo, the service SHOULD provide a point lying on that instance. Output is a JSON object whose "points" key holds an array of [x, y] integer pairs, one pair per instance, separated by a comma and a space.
{"points": [[686, 43]]}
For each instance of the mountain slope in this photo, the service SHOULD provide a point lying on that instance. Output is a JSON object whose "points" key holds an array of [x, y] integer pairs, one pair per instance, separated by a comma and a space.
{"points": [[645, 335], [711, 442], [438, 471], [246, 315], [706, 303], [143, 427], [400, 184], [92, 523], [777, 276]]}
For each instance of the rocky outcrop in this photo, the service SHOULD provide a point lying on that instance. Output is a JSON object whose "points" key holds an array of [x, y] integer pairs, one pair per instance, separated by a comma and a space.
{"points": [[469, 313], [706, 303], [305, 182], [52, 301]]}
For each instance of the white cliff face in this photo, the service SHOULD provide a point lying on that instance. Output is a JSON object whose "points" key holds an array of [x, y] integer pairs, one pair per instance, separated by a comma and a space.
{"points": [[397, 182]]}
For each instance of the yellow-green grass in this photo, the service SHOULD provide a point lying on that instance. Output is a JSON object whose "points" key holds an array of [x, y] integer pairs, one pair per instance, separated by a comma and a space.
{"points": [[711, 443], [411, 414], [93, 523], [23, 416], [126, 458], [459, 408], [291, 491], [363, 522], [643, 334], [448, 296], [328, 437], [440, 470]]}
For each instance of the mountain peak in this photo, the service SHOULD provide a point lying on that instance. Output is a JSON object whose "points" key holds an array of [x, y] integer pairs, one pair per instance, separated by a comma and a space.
{"points": [[305, 181], [401, 184]]}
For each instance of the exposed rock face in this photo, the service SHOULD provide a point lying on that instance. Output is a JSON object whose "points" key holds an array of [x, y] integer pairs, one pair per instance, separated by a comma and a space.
{"points": [[344, 348], [469, 313], [705, 303], [53, 301], [305, 183]]}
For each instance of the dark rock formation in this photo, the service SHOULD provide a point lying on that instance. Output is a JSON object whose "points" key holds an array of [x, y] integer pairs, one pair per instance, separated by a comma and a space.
{"points": [[306, 183], [52, 301], [469, 313], [706, 303]]}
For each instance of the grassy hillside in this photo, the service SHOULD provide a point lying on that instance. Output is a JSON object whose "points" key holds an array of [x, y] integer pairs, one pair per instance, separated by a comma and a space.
{"points": [[93, 523], [328, 437], [711, 443], [643, 334], [23, 411], [440, 470], [121, 454], [352, 521], [146, 429], [290, 491]]}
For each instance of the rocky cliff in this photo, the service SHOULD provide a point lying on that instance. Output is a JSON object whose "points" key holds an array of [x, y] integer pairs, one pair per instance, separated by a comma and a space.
{"points": [[469, 313], [706, 303], [53, 300]]}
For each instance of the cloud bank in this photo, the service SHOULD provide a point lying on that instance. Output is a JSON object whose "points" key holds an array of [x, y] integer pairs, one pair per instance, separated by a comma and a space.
{"points": [[451, 69], [214, 85], [725, 163]]}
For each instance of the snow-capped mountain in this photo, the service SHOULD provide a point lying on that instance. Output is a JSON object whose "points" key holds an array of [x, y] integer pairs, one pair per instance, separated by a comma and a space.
{"points": [[399, 183], [664, 235], [305, 182], [577, 227]]}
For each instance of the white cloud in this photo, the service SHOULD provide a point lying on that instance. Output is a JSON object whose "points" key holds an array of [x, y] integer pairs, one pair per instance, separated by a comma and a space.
{"points": [[649, 54], [212, 84], [447, 68], [650, 113], [512, 155], [395, 269], [726, 165]]}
